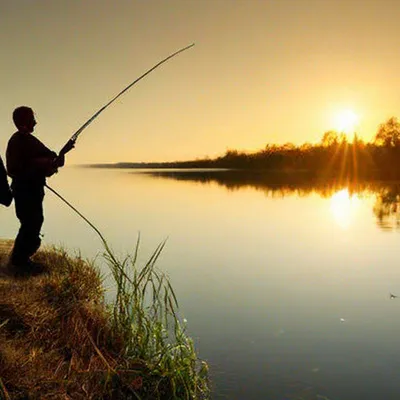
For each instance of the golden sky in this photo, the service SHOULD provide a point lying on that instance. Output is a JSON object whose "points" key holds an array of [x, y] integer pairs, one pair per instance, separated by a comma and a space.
{"points": [[262, 71]]}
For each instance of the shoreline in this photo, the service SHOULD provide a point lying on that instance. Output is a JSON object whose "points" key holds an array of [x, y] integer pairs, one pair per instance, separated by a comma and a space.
{"points": [[58, 337]]}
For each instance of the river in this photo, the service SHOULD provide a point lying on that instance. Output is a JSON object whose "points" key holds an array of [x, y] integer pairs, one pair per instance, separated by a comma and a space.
{"points": [[285, 286]]}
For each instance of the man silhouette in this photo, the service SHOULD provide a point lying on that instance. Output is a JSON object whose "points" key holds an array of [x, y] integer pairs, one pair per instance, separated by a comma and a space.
{"points": [[29, 162]]}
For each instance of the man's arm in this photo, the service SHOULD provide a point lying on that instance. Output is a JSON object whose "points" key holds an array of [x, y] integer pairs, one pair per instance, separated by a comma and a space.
{"points": [[60, 160], [50, 163], [45, 165]]}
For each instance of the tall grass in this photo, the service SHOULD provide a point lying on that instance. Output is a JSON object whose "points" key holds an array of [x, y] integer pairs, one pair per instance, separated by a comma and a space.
{"points": [[145, 314], [145, 318]]}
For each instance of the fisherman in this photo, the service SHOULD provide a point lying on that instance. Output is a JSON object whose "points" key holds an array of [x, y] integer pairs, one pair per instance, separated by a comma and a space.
{"points": [[29, 162]]}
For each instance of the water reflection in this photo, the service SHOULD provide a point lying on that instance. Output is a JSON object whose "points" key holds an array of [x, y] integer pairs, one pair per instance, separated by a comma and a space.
{"points": [[345, 195], [386, 207], [343, 207]]}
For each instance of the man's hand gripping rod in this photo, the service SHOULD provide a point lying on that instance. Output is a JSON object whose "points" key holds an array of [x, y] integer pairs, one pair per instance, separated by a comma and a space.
{"points": [[71, 142]]}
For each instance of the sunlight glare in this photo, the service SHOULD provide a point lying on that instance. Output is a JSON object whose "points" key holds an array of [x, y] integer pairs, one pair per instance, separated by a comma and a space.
{"points": [[342, 207], [346, 121]]}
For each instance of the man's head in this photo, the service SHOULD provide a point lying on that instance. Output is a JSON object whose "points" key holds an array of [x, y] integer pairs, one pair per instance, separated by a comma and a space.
{"points": [[24, 119]]}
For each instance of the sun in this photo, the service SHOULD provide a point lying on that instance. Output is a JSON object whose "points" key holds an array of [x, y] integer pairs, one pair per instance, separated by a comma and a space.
{"points": [[346, 121]]}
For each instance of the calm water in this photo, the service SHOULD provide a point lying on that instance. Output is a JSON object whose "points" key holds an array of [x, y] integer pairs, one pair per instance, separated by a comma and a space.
{"points": [[285, 287]]}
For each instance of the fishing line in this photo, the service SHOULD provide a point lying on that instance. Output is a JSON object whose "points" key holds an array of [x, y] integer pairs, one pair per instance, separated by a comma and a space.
{"points": [[79, 213], [108, 250]]}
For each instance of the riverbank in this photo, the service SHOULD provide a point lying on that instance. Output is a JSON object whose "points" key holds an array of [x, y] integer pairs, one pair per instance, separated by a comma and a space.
{"points": [[60, 340]]}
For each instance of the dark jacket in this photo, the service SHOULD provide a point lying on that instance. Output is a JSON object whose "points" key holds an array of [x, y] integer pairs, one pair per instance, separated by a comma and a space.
{"points": [[23, 151]]}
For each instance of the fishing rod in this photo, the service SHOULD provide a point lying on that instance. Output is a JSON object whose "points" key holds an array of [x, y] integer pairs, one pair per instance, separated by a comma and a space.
{"points": [[75, 136], [68, 146]]}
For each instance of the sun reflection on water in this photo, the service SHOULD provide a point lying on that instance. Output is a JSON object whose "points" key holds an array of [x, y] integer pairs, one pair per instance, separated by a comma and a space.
{"points": [[343, 206]]}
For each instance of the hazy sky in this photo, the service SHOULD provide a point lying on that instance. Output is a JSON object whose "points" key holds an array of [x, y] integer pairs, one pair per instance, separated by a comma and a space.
{"points": [[262, 71]]}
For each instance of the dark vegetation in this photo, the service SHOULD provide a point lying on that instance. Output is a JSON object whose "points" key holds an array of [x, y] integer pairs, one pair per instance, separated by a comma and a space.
{"points": [[334, 156]]}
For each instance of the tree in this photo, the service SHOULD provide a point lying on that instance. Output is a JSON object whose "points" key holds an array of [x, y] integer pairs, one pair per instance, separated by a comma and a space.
{"points": [[388, 133], [288, 146], [330, 138], [306, 147]]}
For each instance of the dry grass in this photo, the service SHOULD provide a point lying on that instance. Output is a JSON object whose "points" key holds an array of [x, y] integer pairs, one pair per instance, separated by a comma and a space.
{"points": [[56, 341]]}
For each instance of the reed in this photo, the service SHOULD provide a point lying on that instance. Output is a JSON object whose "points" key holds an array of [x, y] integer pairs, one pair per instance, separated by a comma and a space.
{"points": [[145, 313]]}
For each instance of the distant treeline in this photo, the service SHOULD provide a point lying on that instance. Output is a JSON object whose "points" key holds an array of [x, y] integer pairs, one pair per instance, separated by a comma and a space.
{"points": [[334, 156]]}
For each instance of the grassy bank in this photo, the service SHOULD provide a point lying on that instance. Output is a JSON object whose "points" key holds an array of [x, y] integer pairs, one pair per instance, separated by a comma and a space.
{"points": [[59, 339]]}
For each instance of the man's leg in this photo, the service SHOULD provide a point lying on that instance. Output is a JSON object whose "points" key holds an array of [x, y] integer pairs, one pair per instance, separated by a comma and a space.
{"points": [[29, 210]]}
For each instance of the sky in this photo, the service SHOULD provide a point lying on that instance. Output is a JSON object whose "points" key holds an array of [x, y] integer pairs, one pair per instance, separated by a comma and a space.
{"points": [[261, 71]]}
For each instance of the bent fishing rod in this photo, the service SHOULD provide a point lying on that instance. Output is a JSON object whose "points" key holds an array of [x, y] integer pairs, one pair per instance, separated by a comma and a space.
{"points": [[69, 145], [75, 136]]}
